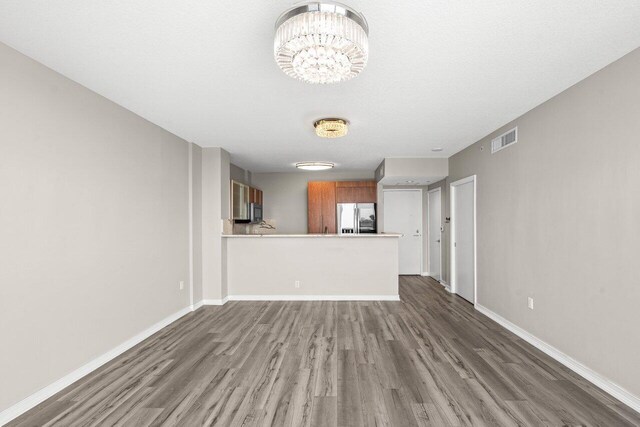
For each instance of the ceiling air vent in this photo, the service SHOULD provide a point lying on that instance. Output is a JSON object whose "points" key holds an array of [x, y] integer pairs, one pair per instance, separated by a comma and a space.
{"points": [[504, 140]]}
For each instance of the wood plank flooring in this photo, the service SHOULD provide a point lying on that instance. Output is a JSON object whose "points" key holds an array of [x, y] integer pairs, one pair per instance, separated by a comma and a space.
{"points": [[430, 360]]}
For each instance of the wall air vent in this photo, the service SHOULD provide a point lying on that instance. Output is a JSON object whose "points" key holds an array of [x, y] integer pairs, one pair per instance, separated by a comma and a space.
{"points": [[504, 140]]}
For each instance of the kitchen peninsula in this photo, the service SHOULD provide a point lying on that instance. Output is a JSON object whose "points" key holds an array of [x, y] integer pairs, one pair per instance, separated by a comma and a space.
{"points": [[312, 266]]}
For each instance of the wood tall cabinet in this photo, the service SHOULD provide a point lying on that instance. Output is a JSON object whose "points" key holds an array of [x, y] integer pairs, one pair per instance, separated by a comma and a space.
{"points": [[323, 196], [321, 207]]}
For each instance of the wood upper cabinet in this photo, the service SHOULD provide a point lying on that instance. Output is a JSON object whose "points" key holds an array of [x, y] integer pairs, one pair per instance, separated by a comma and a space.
{"points": [[255, 196], [356, 192], [321, 207]]}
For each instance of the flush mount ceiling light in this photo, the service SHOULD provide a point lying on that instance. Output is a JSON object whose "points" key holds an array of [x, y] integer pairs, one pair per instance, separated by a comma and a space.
{"points": [[331, 128], [314, 166], [321, 42]]}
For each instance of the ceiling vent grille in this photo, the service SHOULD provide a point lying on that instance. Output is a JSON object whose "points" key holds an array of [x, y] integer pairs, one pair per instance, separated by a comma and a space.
{"points": [[504, 140]]}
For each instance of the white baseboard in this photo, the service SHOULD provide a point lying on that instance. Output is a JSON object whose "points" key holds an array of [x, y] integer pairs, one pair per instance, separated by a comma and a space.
{"points": [[38, 397], [296, 298], [446, 286], [425, 273], [220, 301], [314, 297], [605, 384], [197, 305]]}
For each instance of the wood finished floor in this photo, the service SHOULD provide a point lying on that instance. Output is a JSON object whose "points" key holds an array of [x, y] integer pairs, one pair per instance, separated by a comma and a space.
{"points": [[430, 360]]}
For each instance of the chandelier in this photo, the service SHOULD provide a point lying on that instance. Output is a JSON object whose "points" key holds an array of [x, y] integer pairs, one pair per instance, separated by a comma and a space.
{"points": [[321, 42], [331, 128]]}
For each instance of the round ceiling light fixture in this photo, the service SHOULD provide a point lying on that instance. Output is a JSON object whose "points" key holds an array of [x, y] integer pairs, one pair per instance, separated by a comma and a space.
{"points": [[314, 166], [321, 42], [331, 128]]}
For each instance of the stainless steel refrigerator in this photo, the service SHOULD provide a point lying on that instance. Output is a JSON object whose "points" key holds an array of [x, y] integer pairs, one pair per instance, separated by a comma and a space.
{"points": [[354, 218]]}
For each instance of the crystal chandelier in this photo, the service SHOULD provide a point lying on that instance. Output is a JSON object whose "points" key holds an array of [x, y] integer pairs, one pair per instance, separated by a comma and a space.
{"points": [[321, 42]]}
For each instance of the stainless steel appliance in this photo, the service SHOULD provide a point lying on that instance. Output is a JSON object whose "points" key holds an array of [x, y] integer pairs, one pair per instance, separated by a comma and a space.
{"points": [[255, 210], [354, 218]]}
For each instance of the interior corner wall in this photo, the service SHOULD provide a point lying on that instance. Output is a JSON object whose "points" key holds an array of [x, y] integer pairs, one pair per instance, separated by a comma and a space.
{"points": [[225, 213], [380, 207], [215, 207], [443, 185], [558, 220], [94, 224], [379, 172], [196, 189]]}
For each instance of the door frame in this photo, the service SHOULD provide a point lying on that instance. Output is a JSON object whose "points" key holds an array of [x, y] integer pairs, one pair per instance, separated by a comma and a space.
{"points": [[439, 191], [384, 190], [452, 201]]}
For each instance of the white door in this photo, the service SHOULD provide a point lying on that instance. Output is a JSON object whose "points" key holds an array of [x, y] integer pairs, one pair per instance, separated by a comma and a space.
{"points": [[463, 238], [435, 230], [403, 214]]}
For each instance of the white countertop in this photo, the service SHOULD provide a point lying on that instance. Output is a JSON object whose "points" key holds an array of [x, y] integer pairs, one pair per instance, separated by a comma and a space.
{"points": [[341, 236]]}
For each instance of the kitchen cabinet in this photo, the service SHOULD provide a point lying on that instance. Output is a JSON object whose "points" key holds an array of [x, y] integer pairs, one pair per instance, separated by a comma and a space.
{"points": [[356, 192], [323, 197], [321, 207], [239, 201], [255, 196], [241, 196]]}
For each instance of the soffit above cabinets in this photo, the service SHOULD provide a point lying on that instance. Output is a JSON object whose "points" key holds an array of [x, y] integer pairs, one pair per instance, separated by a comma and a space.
{"points": [[412, 171]]}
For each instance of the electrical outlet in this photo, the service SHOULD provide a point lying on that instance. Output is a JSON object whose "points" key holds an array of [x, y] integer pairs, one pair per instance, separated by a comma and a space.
{"points": [[530, 303], [297, 284], [181, 285]]}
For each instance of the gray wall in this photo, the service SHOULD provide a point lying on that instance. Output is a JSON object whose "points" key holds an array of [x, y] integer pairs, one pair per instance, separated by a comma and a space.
{"points": [[558, 219], [239, 174], [94, 225], [215, 207], [443, 185], [196, 185], [285, 195]]}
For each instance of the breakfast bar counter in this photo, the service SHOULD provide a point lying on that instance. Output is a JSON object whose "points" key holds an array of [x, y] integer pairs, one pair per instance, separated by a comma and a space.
{"points": [[362, 235], [312, 266]]}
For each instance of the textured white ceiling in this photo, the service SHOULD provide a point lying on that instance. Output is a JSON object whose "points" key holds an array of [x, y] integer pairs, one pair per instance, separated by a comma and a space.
{"points": [[441, 73]]}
